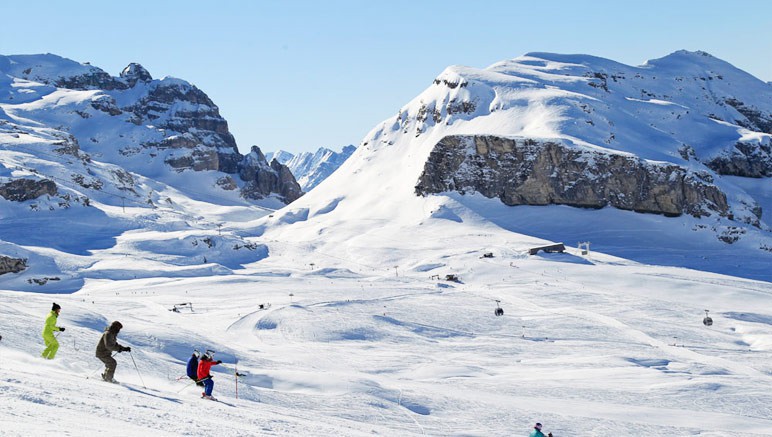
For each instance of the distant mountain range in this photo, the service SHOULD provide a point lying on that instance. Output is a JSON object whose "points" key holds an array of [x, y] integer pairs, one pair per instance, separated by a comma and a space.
{"points": [[665, 163], [310, 169]]}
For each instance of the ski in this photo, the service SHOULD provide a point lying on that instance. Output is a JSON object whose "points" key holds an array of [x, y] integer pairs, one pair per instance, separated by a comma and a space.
{"points": [[213, 399]]}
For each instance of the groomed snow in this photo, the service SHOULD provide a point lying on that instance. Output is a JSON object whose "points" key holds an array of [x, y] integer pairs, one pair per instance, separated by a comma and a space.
{"points": [[587, 345]]}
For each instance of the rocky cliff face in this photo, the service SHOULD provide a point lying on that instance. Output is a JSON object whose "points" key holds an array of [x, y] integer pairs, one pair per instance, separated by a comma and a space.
{"points": [[23, 189], [134, 73], [532, 172], [181, 108], [751, 160], [12, 265], [267, 178]]}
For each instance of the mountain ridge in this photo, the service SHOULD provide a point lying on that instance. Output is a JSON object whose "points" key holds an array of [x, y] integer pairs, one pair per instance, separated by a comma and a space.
{"points": [[688, 121], [140, 119], [310, 169]]}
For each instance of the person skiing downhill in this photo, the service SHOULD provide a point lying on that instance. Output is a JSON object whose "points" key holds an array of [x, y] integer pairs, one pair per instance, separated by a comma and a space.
{"points": [[204, 365], [192, 369], [107, 344], [52, 345], [537, 431]]}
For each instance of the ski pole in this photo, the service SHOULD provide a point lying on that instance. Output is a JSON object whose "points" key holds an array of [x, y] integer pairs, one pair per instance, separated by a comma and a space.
{"points": [[186, 386], [135, 366], [236, 375]]}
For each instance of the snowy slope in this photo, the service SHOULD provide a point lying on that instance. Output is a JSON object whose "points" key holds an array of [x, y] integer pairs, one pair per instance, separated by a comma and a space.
{"points": [[100, 215], [587, 345]]}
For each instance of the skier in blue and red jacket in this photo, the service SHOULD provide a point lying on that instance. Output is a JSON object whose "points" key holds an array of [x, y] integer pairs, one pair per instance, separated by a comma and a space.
{"points": [[204, 364]]}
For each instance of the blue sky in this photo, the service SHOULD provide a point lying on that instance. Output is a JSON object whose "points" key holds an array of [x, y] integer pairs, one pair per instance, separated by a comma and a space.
{"points": [[298, 75]]}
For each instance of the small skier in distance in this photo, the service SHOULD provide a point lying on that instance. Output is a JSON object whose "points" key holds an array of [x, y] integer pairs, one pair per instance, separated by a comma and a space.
{"points": [[537, 431], [204, 365], [52, 345]]}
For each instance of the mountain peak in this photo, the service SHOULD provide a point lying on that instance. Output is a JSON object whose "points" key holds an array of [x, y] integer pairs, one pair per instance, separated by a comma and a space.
{"points": [[135, 72], [256, 153], [47, 68], [690, 61], [688, 117], [691, 54]]}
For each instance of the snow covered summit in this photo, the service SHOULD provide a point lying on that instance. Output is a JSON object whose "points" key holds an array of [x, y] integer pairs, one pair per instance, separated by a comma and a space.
{"points": [[671, 155], [310, 169]]}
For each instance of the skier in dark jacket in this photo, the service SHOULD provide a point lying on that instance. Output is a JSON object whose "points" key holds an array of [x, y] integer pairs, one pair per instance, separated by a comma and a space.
{"points": [[106, 346], [204, 365], [192, 369]]}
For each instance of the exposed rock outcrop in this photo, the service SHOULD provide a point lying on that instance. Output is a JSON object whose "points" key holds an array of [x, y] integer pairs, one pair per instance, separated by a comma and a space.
{"points": [[106, 104], [532, 172], [20, 190], [134, 73], [180, 107], [755, 119], [263, 179], [96, 79], [752, 160], [12, 265]]}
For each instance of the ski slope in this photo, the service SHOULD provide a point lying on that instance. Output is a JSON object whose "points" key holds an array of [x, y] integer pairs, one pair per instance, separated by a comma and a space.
{"points": [[587, 345]]}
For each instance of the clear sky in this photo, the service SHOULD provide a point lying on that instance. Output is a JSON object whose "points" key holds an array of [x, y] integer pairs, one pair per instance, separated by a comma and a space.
{"points": [[299, 75]]}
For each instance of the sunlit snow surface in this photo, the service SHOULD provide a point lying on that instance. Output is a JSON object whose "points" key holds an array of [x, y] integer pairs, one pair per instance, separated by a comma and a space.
{"points": [[587, 345]]}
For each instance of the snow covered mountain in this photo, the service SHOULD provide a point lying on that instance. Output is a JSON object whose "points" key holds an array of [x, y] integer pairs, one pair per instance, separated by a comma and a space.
{"points": [[154, 128], [310, 169], [280, 155], [93, 157], [674, 154]]}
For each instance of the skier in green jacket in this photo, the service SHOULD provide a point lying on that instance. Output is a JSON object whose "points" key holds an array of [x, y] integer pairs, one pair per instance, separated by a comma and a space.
{"points": [[48, 333], [537, 432]]}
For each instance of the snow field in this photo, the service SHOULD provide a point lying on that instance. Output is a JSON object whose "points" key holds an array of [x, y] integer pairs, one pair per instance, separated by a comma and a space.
{"points": [[589, 348]]}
